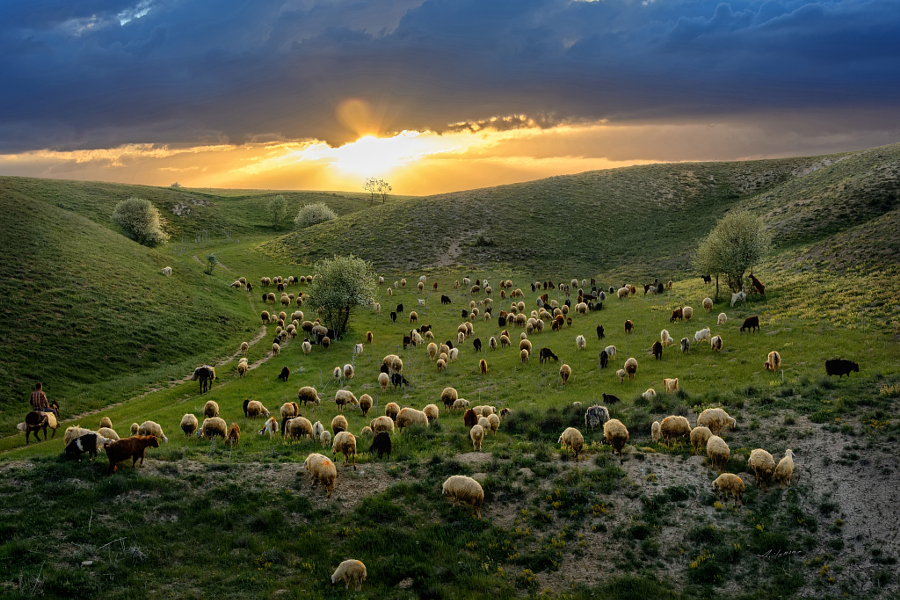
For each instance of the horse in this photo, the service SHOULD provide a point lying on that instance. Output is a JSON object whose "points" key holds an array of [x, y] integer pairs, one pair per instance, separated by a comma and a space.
{"points": [[37, 420]]}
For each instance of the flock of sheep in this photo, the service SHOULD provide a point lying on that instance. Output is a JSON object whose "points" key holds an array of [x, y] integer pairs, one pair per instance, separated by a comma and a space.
{"points": [[479, 420]]}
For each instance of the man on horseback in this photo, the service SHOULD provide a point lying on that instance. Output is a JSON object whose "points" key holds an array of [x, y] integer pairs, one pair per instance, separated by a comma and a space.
{"points": [[39, 402]]}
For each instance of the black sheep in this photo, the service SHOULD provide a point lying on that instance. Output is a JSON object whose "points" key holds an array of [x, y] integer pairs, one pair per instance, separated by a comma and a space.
{"points": [[610, 399], [546, 354], [706, 278], [750, 323], [657, 349], [393, 317], [600, 334], [399, 308], [381, 444], [86, 443], [840, 367], [449, 344], [604, 359], [501, 321], [385, 369], [285, 373], [445, 299], [406, 341], [477, 344], [465, 314]]}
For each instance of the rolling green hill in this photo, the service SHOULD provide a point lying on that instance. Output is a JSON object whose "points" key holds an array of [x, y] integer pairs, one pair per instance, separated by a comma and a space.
{"points": [[643, 220]]}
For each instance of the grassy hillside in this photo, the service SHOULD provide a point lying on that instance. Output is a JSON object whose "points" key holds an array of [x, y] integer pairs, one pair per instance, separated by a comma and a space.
{"points": [[644, 220]]}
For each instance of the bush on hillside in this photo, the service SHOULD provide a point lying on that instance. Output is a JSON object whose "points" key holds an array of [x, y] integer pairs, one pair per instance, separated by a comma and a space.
{"points": [[339, 285], [140, 220], [278, 210], [313, 214]]}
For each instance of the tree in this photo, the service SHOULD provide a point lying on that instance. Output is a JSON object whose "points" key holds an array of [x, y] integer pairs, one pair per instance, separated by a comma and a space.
{"points": [[211, 262], [371, 186], [313, 214], [340, 284], [737, 243], [278, 210], [383, 188], [140, 220]]}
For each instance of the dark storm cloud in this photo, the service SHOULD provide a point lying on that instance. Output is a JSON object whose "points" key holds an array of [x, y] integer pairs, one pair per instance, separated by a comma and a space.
{"points": [[97, 73]]}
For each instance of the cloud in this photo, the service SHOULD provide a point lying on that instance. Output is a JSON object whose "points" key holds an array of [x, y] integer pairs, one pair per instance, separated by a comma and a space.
{"points": [[102, 73]]}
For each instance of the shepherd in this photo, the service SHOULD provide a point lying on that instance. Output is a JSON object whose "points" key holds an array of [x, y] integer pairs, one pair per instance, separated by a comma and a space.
{"points": [[39, 402]]}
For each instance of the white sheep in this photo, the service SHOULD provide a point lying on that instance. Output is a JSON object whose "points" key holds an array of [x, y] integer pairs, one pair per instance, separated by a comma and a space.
{"points": [[75, 432], [211, 409], [610, 352], [673, 427], [431, 411], [350, 571], [773, 362], [687, 312], [477, 436], [212, 427], [718, 452], [271, 427], [317, 430], [493, 422], [702, 336], [716, 419], [616, 434], [167, 271], [655, 431], [109, 433], [729, 484], [384, 380], [631, 366], [344, 397], [699, 437], [671, 385], [650, 394], [665, 338], [152, 428], [716, 343], [580, 342], [460, 404], [358, 349], [410, 416], [763, 466], [785, 468], [739, 297], [244, 347], [322, 470], [345, 443], [383, 423], [621, 375], [723, 318], [465, 489], [307, 347], [572, 439], [708, 304]]}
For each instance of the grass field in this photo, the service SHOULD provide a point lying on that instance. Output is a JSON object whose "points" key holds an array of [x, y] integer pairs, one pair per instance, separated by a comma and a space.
{"points": [[199, 519]]}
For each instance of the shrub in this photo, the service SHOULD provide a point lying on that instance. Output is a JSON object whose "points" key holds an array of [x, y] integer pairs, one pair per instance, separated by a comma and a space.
{"points": [[313, 214], [278, 210], [140, 220]]}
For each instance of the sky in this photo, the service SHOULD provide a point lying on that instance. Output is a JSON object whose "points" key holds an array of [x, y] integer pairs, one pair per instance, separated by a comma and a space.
{"points": [[434, 95]]}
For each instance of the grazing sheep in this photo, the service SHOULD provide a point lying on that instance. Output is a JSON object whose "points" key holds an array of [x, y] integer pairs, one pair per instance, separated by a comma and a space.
{"points": [[739, 297], [631, 366], [135, 447], [629, 326], [716, 419], [622, 292], [306, 346], [485, 423], [345, 443], [476, 434], [493, 423], [460, 404], [108, 433], [326, 342], [392, 409], [384, 380], [723, 318], [465, 489], [687, 312], [685, 345], [441, 363], [718, 452], [211, 409], [677, 314], [763, 466], [840, 367], [234, 435], [322, 470], [699, 437], [665, 339], [384, 423], [610, 352], [470, 417], [365, 403], [344, 397], [565, 372], [580, 342], [524, 354], [596, 416], [431, 412], [657, 350], [276, 349], [152, 428], [106, 422], [572, 439], [75, 432], [290, 410], [167, 271], [410, 416], [89, 442], [398, 380], [673, 427], [729, 484], [381, 443], [702, 336], [785, 468], [650, 394], [716, 343], [254, 408], [339, 424], [708, 304], [751, 323], [773, 362], [655, 431], [308, 394], [604, 359], [350, 571], [449, 396], [621, 375], [616, 434], [213, 427], [271, 427], [482, 367], [671, 385]]}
